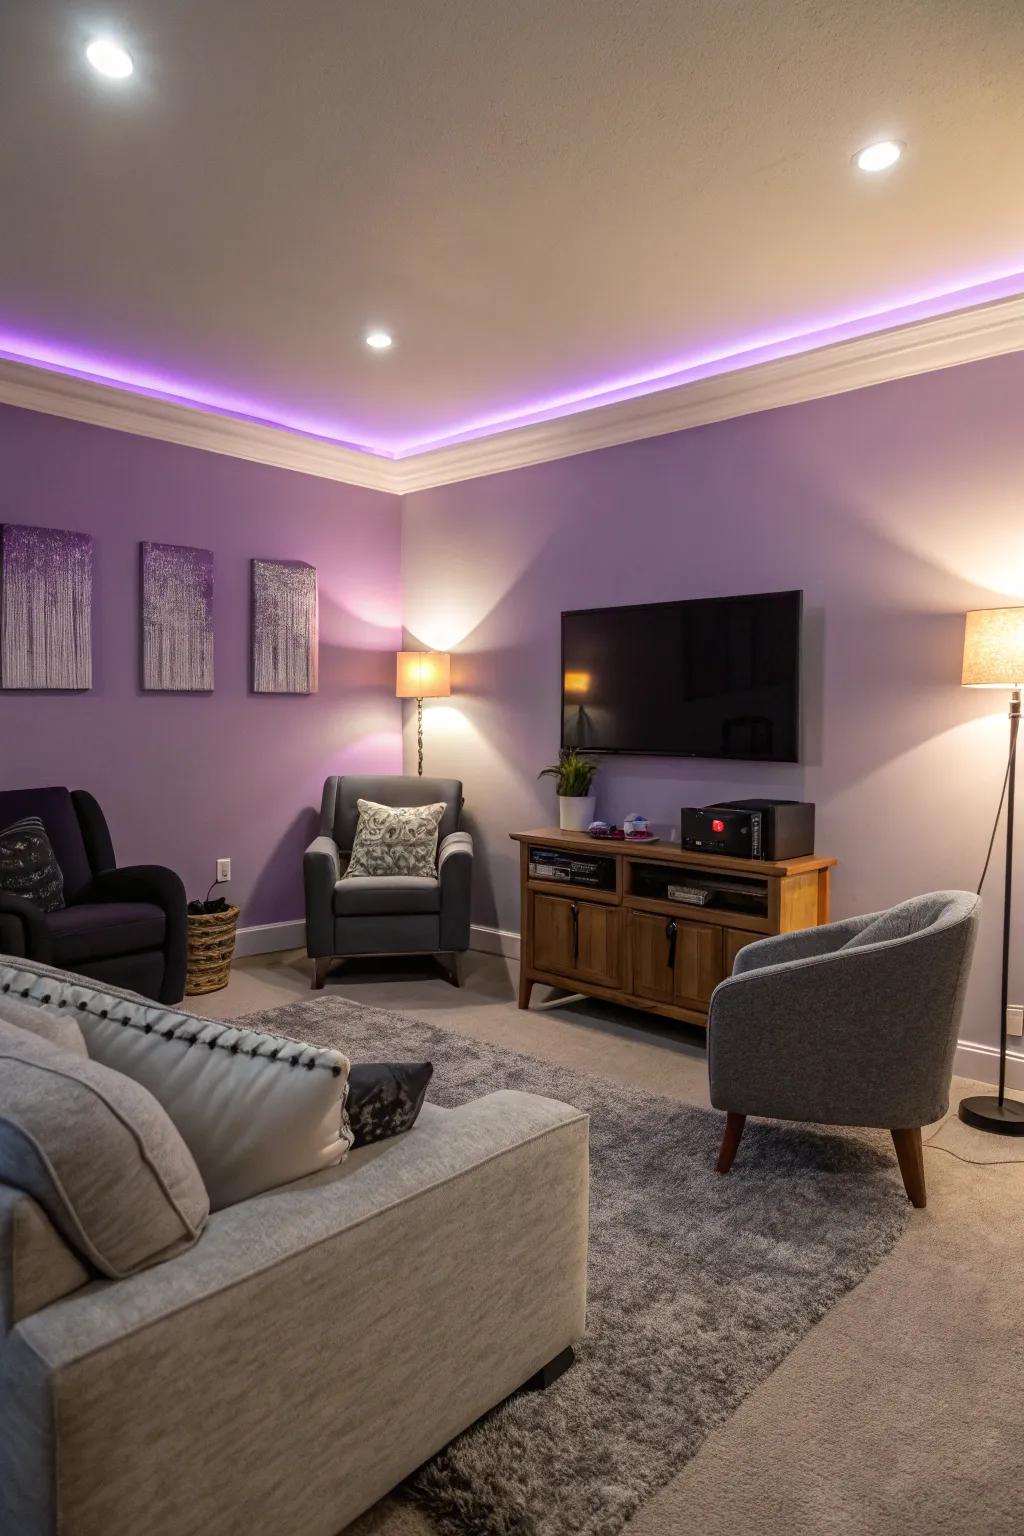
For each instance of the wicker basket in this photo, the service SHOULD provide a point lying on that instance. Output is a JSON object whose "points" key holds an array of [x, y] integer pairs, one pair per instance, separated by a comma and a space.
{"points": [[211, 947]]}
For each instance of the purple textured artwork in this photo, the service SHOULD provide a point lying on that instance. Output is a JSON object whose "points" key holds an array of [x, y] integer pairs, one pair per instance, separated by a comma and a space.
{"points": [[177, 618], [284, 627], [45, 608]]}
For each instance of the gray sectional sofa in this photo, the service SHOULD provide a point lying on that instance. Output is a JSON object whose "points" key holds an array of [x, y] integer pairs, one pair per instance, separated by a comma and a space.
{"points": [[318, 1342]]}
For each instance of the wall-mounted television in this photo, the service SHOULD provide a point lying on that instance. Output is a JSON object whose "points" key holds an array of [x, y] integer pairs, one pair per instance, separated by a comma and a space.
{"points": [[708, 677]]}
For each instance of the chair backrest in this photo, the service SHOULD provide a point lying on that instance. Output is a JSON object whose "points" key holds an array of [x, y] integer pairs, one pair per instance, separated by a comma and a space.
{"points": [[935, 912], [56, 811], [339, 813]]}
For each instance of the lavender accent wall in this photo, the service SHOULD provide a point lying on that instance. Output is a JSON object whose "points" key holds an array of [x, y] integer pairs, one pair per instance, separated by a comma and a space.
{"points": [[187, 778], [894, 508]]}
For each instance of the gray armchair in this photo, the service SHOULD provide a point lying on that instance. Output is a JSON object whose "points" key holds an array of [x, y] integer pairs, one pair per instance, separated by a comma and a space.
{"points": [[386, 914], [853, 1023]]}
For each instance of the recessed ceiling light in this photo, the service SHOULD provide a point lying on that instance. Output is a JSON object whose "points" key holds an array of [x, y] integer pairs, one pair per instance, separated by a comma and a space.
{"points": [[109, 58], [379, 340], [878, 157]]}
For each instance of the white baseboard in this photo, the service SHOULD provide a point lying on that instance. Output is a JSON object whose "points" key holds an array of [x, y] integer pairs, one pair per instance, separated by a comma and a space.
{"points": [[982, 1062], [494, 941], [265, 938]]}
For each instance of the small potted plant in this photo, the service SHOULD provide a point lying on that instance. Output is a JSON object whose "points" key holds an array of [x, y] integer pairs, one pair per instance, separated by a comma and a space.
{"points": [[575, 775]]}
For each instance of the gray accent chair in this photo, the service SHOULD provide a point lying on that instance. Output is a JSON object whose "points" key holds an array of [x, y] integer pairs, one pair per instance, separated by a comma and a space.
{"points": [[853, 1023], [386, 914]]}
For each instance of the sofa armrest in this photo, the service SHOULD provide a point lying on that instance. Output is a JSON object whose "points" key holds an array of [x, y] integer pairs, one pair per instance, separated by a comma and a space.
{"points": [[24, 929], [36, 1265], [455, 872], [163, 888], [321, 871], [381, 1307]]}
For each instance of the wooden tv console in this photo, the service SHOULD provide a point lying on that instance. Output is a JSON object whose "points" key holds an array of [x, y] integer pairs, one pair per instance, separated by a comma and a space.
{"points": [[631, 944]]}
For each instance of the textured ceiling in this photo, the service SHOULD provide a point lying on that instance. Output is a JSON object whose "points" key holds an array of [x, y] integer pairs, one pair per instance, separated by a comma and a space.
{"points": [[538, 197]]}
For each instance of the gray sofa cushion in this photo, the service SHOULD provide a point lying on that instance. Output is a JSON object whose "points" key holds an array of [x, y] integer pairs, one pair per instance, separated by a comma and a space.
{"points": [[254, 1110], [98, 1153], [54, 1024], [368, 895]]}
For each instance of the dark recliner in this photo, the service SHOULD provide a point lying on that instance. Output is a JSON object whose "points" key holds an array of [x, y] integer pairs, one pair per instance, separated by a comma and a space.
{"points": [[123, 926]]}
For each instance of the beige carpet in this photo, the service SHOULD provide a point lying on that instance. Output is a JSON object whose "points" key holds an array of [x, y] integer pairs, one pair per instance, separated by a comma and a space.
{"points": [[898, 1414]]}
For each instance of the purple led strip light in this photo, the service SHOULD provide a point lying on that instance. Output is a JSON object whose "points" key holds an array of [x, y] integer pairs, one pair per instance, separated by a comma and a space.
{"points": [[143, 381]]}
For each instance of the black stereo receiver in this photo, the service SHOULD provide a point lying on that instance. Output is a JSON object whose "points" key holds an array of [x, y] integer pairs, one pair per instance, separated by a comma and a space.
{"points": [[750, 829]]}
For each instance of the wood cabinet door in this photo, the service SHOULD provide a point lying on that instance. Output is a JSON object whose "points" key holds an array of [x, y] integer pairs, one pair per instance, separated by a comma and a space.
{"points": [[577, 939], [698, 967], [734, 939], [651, 956]]}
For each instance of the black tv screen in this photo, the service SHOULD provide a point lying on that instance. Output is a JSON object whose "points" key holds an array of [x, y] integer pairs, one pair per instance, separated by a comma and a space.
{"points": [[710, 677]]}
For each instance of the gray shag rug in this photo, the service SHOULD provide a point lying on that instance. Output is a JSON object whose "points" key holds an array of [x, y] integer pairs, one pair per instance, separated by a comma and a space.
{"points": [[699, 1285]]}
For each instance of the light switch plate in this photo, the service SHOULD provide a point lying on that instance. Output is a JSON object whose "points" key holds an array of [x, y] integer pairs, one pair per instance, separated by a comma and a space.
{"points": [[1015, 1019]]}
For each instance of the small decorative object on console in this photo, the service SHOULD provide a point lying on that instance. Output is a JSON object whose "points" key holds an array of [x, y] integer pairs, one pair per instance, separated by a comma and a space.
{"points": [[636, 828], [601, 829]]}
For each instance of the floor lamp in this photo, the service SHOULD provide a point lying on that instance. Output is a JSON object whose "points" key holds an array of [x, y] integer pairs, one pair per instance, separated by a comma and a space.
{"points": [[422, 675], [994, 658]]}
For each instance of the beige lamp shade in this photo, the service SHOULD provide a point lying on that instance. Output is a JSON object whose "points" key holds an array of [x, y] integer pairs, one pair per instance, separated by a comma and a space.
{"points": [[423, 675], [994, 648]]}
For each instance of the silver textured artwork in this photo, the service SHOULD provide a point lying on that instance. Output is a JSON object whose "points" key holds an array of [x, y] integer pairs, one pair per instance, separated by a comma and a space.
{"points": [[284, 627], [45, 608], [177, 618]]}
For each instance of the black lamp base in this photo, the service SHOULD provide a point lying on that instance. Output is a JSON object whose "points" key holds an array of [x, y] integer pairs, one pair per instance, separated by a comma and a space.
{"points": [[986, 1113]]}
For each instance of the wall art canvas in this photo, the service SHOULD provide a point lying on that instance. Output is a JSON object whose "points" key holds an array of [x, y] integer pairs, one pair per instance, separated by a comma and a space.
{"points": [[45, 608], [285, 641], [177, 618]]}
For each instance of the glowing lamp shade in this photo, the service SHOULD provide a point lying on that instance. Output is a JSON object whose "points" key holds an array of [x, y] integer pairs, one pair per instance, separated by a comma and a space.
{"points": [[423, 675], [994, 648]]}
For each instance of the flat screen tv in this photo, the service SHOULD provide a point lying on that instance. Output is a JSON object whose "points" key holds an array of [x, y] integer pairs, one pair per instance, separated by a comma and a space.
{"points": [[709, 677]]}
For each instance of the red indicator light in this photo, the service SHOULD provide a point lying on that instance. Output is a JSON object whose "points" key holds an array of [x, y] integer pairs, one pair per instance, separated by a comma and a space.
{"points": [[718, 826]]}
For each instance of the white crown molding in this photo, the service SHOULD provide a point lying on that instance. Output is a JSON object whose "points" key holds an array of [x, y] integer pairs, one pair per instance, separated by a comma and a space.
{"points": [[922, 346], [104, 405]]}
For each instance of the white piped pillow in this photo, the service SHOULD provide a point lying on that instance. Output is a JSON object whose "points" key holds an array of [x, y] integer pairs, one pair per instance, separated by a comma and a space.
{"points": [[255, 1110]]}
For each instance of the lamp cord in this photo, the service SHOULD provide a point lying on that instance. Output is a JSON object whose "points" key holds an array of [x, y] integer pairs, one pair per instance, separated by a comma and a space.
{"points": [[999, 812]]}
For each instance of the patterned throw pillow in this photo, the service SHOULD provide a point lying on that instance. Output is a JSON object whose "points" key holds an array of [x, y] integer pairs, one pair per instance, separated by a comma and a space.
{"points": [[385, 1098], [28, 865], [395, 839]]}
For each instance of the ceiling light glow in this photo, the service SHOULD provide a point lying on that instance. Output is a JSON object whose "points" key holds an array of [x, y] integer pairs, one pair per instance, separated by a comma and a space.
{"points": [[878, 157], [109, 58], [379, 341]]}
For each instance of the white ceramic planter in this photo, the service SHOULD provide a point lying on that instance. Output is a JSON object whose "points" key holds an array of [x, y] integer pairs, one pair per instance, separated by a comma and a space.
{"points": [[575, 812]]}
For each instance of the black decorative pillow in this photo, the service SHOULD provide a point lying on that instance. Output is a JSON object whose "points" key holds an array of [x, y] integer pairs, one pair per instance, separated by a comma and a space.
{"points": [[384, 1098], [28, 865]]}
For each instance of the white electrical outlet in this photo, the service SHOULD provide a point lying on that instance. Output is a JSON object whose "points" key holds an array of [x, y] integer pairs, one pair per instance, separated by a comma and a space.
{"points": [[223, 870], [1015, 1019]]}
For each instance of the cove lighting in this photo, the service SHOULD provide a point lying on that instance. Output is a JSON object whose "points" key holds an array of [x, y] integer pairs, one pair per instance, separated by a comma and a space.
{"points": [[121, 373], [109, 58], [379, 341], [878, 157]]}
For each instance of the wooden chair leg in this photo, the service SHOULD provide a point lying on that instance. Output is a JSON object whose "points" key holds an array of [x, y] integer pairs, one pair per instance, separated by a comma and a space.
{"points": [[910, 1153], [730, 1140], [320, 970]]}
